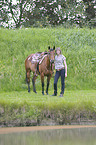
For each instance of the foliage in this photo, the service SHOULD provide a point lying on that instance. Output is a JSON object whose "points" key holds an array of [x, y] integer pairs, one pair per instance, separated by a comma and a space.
{"points": [[42, 13]]}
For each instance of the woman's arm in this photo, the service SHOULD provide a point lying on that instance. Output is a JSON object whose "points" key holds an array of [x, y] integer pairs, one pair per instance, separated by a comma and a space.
{"points": [[65, 68]]}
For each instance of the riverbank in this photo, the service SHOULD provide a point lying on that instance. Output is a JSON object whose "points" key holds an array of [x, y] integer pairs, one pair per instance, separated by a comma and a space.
{"points": [[29, 109], [39, 128]]}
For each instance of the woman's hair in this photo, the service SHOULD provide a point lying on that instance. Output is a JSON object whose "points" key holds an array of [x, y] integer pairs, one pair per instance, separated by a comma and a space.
{"points": [[58, 48]]}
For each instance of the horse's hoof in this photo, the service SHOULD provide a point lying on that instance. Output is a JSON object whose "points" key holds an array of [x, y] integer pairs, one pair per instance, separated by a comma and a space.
{"points": [[34, 91], [28, 91], [42, 93]]}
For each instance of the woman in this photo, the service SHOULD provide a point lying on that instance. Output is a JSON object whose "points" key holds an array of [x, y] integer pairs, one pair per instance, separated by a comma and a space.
{"points": [[61, 70]]}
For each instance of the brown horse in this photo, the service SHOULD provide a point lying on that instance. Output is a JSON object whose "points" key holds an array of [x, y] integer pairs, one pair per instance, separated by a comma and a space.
{"points": [[44, 68]]}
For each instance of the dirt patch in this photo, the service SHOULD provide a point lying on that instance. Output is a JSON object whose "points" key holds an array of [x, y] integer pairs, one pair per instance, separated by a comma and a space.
{"points": [[37, 128]]}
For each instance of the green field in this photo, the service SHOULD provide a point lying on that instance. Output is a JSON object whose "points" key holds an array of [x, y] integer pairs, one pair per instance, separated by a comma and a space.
{"points": [[20, 108], [78, 46]]}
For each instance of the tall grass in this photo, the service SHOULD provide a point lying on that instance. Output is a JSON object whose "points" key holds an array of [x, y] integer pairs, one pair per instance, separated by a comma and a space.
{"points": [[78, 46]]}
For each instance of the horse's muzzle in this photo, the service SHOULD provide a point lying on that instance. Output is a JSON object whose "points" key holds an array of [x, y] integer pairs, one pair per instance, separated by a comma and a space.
{"points": [[51, 61]]}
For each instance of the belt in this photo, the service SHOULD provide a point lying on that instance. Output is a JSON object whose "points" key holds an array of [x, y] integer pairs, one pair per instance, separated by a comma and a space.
{"points": [[59, 69]]}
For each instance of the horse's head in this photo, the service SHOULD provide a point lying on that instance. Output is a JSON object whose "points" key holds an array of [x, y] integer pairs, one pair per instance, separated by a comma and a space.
{"points": [[51, 54]]}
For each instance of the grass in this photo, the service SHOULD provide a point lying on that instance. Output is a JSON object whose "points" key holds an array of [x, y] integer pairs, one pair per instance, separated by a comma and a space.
{"points": [[70, 96], [22, 108], [78, 46]]}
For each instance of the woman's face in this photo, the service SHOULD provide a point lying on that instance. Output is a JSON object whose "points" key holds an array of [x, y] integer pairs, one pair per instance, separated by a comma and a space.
{"points": [[58, 52]]}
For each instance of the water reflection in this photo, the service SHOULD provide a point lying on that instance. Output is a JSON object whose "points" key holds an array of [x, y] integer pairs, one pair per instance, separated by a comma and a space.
{"points": [[80, 136]]}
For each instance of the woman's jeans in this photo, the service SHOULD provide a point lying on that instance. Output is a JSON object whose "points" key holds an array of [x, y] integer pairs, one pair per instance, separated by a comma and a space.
{"points": [[57, 75]]}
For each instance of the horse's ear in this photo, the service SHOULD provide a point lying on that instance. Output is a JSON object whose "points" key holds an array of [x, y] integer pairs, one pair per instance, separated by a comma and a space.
{"points": [[48, 47], [54, 48]]}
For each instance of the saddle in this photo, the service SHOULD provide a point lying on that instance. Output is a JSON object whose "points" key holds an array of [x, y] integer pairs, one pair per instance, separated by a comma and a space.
{"points": [[37, 57]]}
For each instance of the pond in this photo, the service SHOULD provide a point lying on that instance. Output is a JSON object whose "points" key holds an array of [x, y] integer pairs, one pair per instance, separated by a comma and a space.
{"points": [[79, 136]]}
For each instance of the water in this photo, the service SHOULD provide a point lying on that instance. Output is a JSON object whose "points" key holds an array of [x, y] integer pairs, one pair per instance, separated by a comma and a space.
{"points": [[82, 136]]}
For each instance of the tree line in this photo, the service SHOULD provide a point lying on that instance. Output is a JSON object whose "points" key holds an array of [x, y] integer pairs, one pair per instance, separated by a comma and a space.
{"points": [[42, 13]]}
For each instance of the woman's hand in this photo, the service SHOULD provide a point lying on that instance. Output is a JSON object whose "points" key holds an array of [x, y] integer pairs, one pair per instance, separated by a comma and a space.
{"points": [[65, 75]]}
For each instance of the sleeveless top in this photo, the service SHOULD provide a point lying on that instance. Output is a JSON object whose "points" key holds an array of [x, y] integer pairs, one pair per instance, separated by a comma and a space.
{"points": [[59, 61]]}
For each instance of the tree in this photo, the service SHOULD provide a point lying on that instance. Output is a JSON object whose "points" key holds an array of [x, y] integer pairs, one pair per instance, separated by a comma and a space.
{"points": [[56, 12], [90, 11], [13, 12], [46, 12]]}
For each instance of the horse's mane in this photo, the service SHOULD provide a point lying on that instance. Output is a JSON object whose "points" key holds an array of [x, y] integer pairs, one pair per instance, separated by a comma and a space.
{"points": [[45, 52]]}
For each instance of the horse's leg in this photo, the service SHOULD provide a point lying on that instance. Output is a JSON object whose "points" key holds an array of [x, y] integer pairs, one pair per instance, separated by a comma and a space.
{"points": [[48, 81], [28, 80], [42, 81], [33, 82]]}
